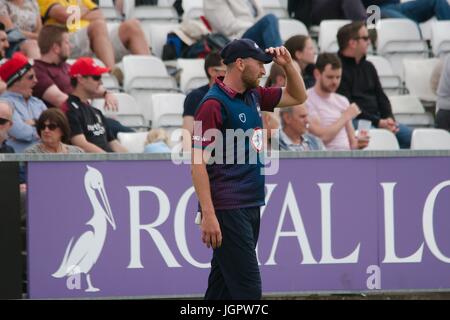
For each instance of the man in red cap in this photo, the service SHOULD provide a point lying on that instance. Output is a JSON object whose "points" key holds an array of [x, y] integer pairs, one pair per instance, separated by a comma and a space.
{"points": [[20, 79], [89, 129]]}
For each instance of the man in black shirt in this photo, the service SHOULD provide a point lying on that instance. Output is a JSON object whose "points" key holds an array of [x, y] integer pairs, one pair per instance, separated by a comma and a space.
{"points": [[361, 85], [87, 124]]}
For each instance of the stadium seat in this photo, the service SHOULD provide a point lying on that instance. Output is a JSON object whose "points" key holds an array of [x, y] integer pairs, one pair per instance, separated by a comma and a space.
{"points": [[133, 141], [408, 110], [417, 78], [291, 27], [328, 34], [146, 72], [167, 110], [192, 74], [391, 83], [193, 9], [149, 13], [267, 67], [109, 11], [440, 37], [382, 139], [274, 7], [430, 139], [129, 112], [157, 35], [399, 39]]}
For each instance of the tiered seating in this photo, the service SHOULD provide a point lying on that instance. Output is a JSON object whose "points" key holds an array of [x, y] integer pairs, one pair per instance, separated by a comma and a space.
{"points": [[129, 112], [440, 37], [382, 139], [291, 27], [399, 39], [391, 83], [192, 74], [168, 110], [408, 110], [417, 78], [327, 34], [274, 7], [157, 35], [430, 139]]}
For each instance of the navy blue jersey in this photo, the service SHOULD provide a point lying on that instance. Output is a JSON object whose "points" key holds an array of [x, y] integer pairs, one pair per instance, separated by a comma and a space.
{"points": [[238, 184]]}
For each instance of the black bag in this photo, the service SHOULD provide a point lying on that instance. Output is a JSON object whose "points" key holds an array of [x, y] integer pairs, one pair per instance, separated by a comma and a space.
{"points": [[208, 43]]}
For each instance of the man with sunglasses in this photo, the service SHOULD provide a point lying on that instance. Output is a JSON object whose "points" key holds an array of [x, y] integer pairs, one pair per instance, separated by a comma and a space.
{"points": [[20, 79], [6, 113], [89, 130], [361, 85]]}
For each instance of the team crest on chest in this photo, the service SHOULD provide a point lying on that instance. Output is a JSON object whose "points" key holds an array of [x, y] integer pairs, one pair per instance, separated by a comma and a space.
{"points": [[257, 139], [242, 117]]}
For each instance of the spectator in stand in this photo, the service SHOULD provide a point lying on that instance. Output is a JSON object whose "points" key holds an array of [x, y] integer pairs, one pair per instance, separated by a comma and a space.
{"points": [[361, 85], [90, 35], [302, 50], [293, 135], [157, 141], [4, 45], [87, 124], [20, 79], [276, 78], [53, 128], [23, 22], [313, 12], [214, 68], [417, 10], [330, 114], [52, 72], [443, 100], [243, 19], [6, 113]]}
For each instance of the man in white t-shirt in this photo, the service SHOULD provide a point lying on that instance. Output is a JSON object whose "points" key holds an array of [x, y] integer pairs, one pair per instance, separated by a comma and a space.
{"points": [[331, 114]]}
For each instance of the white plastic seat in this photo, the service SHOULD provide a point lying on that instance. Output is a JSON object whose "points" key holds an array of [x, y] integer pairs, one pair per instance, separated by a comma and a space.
{"points": [[274, 7], [167, 110], [291, 27], [146, 72], [382, 139], [129, 113], [263, 80], [134, 142], [430, 139], [157, 35], [109, 11], [391, 83], [399, 39], [417, 77], [193, 9], [151, 13], [328, 30], [192, 74], [408, 110], [440, 37]]}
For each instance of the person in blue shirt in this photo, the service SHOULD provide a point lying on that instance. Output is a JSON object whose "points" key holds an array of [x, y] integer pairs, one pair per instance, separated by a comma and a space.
{"points": [[417, 10], [228, 177]]}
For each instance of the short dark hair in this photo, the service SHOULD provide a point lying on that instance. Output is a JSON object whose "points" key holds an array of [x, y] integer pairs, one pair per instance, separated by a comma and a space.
{"points": [[212, 60], [56, 116], [2, 27], [50, 35], [325, 59], [296, 43], [348, 32]]}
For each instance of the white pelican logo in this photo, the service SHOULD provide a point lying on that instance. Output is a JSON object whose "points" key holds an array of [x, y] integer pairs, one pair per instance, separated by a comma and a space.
{"points": [[81, 256]]}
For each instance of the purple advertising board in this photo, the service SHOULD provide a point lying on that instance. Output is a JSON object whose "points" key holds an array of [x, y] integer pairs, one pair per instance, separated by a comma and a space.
{"points": [[126, 228]]}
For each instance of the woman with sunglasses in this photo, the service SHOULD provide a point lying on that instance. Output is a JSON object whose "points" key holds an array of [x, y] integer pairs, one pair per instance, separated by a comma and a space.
{"points": [[53, 129]]}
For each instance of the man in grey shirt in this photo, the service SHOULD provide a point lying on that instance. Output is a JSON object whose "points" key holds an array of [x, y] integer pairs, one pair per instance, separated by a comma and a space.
{"points": [[443, 101]]}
